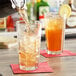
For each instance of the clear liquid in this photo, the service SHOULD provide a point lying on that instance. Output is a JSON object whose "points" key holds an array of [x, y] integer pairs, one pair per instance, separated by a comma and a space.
{"points": [[23, 14]]}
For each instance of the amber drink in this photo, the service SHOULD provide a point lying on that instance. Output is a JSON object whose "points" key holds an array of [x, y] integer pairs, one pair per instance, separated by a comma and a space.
{"points": [[54, 34]]}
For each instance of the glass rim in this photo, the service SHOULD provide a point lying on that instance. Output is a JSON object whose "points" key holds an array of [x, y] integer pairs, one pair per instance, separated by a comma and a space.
{"points": [[52, 15], [22, 24]]}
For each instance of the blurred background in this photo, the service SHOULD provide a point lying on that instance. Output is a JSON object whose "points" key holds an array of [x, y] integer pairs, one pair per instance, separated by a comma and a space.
{"points": [[6, 9], [9, 16]]}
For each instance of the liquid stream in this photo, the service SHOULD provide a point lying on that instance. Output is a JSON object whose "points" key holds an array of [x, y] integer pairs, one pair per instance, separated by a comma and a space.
{"points": [[23, 14]]}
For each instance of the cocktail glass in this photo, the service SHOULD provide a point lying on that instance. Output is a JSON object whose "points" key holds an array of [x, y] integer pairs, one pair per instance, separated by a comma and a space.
{"points": [[29, 45], [54, 32]]}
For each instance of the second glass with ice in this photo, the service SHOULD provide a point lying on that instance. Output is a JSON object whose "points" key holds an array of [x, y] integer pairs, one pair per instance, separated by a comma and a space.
{"points": [[54, 32]]}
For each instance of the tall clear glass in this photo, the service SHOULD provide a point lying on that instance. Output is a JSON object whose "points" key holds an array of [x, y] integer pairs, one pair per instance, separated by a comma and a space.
{"points": [[54, 32], [29, 45]]}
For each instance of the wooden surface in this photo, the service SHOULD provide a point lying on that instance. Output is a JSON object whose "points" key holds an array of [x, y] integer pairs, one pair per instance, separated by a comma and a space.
{"points": [[62, 66]]}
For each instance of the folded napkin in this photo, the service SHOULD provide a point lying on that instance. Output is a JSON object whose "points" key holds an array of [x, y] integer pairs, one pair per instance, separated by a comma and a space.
{"points": [[7, 42]]}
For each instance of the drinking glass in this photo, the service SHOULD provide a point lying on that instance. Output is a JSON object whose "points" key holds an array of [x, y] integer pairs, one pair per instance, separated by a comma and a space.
{"points": [[54, 32], [29, 45]]}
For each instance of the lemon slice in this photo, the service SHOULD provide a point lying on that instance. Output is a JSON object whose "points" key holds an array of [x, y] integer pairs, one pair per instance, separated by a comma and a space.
{"points": [[65, 10]]}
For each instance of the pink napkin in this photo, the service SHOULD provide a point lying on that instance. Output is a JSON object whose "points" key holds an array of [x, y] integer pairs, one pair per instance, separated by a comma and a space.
{"points": [[64, 53], [42, 68]]}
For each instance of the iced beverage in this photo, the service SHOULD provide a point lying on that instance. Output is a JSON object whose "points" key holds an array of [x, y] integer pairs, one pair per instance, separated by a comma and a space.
{"points": [[29, 46], [54, 34]]}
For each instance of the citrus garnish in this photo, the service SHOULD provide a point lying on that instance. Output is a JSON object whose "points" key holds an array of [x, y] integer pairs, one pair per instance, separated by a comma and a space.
{"points": [[65, 10]]}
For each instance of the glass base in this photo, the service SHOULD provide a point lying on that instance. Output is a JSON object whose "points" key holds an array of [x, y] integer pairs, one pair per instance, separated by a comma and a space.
{"points": [[54, 52], [28, 68]]}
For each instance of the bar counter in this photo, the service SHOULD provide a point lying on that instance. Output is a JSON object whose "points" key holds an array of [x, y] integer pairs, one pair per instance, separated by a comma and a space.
{"points": [[62, 66]]}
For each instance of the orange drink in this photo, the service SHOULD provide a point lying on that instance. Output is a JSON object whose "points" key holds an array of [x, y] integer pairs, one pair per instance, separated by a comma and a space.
{"points": [[54, 32], [29, 45]]}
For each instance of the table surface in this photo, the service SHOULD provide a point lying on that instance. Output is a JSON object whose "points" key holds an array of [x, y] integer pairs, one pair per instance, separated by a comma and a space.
{"points": [[62, 66]]}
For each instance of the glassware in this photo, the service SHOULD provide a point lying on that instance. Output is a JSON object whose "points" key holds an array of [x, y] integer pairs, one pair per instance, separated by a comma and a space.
{"points": [[2, 24], [73, 4], [29, 45], [41, 8], [55, 5], [54, 31]]}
